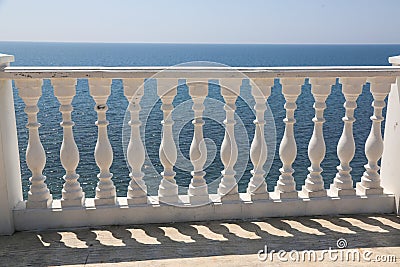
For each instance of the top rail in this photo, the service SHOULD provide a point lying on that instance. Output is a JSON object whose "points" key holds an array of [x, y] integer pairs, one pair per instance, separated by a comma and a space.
{"points": [[197, 72]]}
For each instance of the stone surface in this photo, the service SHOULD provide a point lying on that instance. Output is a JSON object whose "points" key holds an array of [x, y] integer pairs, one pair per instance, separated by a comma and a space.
{"points": [[217, 243]]}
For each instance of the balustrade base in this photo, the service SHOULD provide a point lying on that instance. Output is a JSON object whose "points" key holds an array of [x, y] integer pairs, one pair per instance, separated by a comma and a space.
{"points": [[199, 200], [338, 192], [363, 191], [105, 201], [258, 196], [169, 199], [152, 212], [79, 202], [311, 194], [40, 204], [137, 200], [277, 194], [257, 192], [230, 197]]}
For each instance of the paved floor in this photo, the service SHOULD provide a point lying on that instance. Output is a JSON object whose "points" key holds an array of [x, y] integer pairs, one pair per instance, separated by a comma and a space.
{"points": [[374, 239]]}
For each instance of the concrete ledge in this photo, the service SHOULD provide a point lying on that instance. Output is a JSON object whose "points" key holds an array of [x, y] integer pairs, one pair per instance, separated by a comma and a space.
{"points": [[6, 59], [57, 217], [395, 60]]}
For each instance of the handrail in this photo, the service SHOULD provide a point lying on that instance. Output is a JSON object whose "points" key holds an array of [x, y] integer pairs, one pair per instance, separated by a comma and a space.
{"points": [[197, 72]]}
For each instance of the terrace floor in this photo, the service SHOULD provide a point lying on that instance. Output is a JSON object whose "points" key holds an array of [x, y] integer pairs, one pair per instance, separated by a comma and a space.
{"points": [[217, 243]]}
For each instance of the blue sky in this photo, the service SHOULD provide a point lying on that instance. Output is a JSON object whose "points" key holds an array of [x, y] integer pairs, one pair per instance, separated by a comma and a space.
{"points": [[201, 21]]}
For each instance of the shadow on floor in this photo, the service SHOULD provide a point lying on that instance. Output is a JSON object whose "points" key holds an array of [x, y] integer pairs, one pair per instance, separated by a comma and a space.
{"points": [[198, 239]]}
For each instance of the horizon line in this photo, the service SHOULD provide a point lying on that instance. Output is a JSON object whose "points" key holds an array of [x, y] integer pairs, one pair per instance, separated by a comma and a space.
{"points": [[191, 43]]}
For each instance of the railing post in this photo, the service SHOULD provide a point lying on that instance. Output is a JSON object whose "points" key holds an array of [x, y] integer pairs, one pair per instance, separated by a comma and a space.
{"points": [[257, 187], [10, 175], [100, 90], [137, 189], [39, 197], [168, 189], [198, 189], [343, 183], [286, 186], [314, 184], [391, 153], [371, 180], [228, 188], [72, 194]]}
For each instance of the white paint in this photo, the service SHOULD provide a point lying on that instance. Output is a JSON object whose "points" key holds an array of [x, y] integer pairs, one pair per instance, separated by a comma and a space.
{"points": [[228, 188], [343, 183], [72, 194], [100, 90], [168, 189], [198, 72], [30, 90], [137, 189], [122, 214], [286, 186], [370, 181], [257, 187], [314, 184], [198, 190], [390, 179], [10, 176], [106, 209]]}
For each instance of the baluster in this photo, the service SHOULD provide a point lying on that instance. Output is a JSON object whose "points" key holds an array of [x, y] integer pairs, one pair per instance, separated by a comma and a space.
{"points": [[137, 189], [168, 189], [228, 188], [100, 90], [257, 187], [370, 181], [72, 194], [286, 186], [198, 191], [343, 183], [39, 195], [314, 184]]}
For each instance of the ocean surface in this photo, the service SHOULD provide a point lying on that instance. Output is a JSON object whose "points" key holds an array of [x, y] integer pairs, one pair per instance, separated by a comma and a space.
{"points": [[84, 116]]}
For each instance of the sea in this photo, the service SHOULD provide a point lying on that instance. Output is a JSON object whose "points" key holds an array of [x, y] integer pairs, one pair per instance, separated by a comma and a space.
{"points": [[234, 55]]}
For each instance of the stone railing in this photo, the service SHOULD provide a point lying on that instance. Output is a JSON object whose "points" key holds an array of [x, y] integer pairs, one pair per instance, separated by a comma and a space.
{"points": [[376, 192]]}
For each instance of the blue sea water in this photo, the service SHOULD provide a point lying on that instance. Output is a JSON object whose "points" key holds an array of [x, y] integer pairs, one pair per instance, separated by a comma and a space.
{"points": [[79, 54]]}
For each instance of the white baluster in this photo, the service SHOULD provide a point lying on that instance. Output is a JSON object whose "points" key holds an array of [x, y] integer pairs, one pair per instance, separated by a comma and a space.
{"points": [[39, 195], [72, 194], [343, 183], [286, 186], [370, 181], [137, 189], [168, 189], [314, 184], [198, 191], [100, 90], [228, 188], [257, 187]]}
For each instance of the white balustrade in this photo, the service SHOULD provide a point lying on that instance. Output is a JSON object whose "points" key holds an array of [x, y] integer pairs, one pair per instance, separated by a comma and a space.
{"points": [[314, 184], [168, 189], [257, 187], [391, 141], [198, 190], [286, 186], [370, 181], [30, 90], [137, 189], [228, 188], [343, 183], [41, 212], [100, 90], [10, 170], [72, 194]]}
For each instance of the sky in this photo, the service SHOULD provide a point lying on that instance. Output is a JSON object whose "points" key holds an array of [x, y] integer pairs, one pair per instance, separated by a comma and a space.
{"points": [[202, 21]]}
